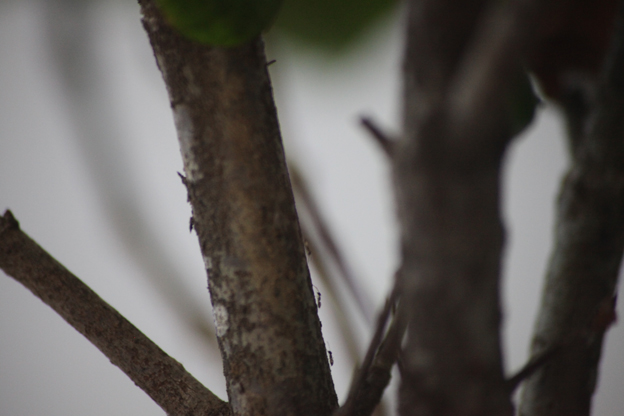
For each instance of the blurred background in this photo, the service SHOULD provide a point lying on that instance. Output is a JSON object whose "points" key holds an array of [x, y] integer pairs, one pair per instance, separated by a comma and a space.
{"points": [[88, 162]]}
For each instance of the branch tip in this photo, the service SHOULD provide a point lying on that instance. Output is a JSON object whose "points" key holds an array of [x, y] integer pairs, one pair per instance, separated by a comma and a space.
{"points": [[9, 222]]}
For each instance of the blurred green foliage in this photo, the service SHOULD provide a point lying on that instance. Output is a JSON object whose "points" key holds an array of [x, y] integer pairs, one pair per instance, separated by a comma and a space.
{"points": [[220, 22], [330, 25]]}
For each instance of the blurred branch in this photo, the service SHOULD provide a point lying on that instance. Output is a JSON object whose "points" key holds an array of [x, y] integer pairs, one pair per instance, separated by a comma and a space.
{"points": [[373, 376], [583, 271], [460, 67], [75, 57], [386, 143], [328, 241], [149, 367]]}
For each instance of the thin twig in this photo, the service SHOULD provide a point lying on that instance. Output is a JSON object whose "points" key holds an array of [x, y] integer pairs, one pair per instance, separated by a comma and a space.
{"points": [[382, 139], [371, 379], [604, 317], [160, 376], [532, 366], [362, 300]]}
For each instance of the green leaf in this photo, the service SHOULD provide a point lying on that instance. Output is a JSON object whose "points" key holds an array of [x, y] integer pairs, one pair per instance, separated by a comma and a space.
{"points": [[220, 22]]}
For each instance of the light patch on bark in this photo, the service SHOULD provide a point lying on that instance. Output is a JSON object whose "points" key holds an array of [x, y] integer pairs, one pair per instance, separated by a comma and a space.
{"points": [[208, 262], [160, 61], [184, 126], [221, 320], [192, 86]]}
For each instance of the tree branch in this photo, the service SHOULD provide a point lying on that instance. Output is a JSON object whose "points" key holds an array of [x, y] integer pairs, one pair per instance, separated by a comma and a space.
{"points": [[460, 67], [373, 376], [583, 272], [159, 375], [275, 361], [75, 58]]}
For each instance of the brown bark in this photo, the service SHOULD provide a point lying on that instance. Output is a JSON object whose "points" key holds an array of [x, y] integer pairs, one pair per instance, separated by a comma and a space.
{"points": [[578, 300], [160, 376], [461, 62], [274, 356]]}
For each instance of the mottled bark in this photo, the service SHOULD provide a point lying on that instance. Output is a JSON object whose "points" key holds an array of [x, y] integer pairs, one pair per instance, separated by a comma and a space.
{"points": [[578, 300], [156, 373], [267, 326], [462, 60]]}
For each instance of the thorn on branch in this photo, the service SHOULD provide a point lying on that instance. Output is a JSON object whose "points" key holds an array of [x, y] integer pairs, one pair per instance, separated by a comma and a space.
{"points": [[183, 178], [318, 296], [382, 138], [186, 184]]}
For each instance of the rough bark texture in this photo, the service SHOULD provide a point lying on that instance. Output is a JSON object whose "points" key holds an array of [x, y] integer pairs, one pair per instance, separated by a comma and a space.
{"points": [[274, 356], [461, 61], [577, 304], [160, 376]]}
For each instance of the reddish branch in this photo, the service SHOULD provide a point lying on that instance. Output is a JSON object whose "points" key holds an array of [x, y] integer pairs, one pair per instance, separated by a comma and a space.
{"points": [[160, 376], [583, 272]]}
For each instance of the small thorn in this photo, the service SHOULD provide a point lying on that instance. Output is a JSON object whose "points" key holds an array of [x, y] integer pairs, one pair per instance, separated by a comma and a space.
{"points": [[382, 139]]}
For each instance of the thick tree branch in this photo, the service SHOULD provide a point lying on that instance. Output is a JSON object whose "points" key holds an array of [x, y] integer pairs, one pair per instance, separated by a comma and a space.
{"points": [[583, 271], [461, 64], [159, 375], [275, 361]]}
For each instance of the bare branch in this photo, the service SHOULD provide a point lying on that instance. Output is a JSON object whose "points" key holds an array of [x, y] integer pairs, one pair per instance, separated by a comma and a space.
{"points": [[460, 62], [159, 375], [269, 334], [583, 272], [75, 59]]}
